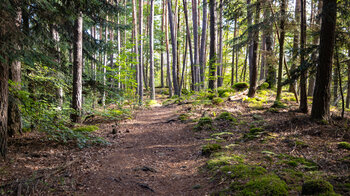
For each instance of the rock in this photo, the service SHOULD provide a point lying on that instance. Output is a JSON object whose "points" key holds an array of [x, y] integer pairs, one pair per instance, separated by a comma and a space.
{"points": [[114, 131], [127, 131]]}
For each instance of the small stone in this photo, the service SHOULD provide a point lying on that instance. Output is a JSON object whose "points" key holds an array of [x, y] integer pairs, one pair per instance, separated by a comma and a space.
{"points": [[114, 131], [127, 131]]}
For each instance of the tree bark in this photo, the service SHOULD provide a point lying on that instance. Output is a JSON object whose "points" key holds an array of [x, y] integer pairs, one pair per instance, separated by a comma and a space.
{"points": [[4, 92], [141, 51], [281, 48], [212, 54], [253, 67], [190, 46], [151, 43], [135, 39], [321, 101], [203, 44], [220, 52], [303, 77], [170, 85], [162, 46], [195, 42], [348, 92], [174, 49], [271, 70], [77, 97]]}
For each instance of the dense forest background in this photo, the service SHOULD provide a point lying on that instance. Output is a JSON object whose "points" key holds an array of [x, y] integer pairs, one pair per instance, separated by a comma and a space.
{"points": [[63, 62]]}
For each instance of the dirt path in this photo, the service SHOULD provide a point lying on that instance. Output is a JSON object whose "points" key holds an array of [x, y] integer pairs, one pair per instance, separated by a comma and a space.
{"points": [[157, 155]]}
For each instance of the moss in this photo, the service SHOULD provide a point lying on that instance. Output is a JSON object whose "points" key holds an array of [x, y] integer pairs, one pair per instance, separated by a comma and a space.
{"points": [[217, 100], [226, 116], [221, 159], [89, 128], [185, 91], [265, 185], [210, 96], [301, 144], [210, 148], [278, 104], [344, 145], [243, 171], [240, 86], [221, 133], [317, 187], [257, 117], [298, 161], [184, 117], [151, 102], [264, 86], [204, 123], [254, 133], [223, 92], [272, 110]]}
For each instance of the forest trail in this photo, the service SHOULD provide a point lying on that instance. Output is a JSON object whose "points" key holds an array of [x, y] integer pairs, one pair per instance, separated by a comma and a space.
{"points": [[158, 155]]}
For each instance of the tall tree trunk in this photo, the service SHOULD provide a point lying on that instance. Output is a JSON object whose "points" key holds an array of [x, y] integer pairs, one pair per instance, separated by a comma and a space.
{"points": [[303, 77], [348, 91], [4, 91], [295, 41], [195, 42], [321, 101], [77, 96], [153, 92], [253, 67], [162, 50], [141, 51], [220, 52], [170, 85], [281, 52], [271, 70], [14, 115], [203, 44], [174, 49], [212, 55], [190, 46], [135, 39], [104, 66], [234, 51]]}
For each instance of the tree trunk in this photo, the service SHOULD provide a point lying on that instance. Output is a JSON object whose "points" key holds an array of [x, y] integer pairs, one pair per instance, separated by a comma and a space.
{"points": [[153, 92], [4, 91], [271, 70], [234, 51], [303, 77], [203, 44], [174, 48], [253, 67], [162, 46], [295, 52], [220, 44], [195, 42], [135, 39], [77, 97], [14, 115], [281, 52], [167, 51], [348, 92], [104, 66], [141, 51], [321, 101], [190, 46], [212, 55]]}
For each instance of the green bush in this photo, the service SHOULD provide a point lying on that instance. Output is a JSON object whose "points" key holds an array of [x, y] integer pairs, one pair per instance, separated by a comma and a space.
{"points": [[240, 86], [185, 91], [224, 92]]}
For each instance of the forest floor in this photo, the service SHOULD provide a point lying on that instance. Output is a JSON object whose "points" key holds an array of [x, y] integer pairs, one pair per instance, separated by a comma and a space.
{"points": [[170, 150]]}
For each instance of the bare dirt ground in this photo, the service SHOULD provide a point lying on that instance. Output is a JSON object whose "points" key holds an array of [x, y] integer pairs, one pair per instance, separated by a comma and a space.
{"points": [[157, 156]]}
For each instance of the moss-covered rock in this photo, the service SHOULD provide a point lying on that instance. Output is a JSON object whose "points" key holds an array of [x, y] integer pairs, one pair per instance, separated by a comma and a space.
{"points": [[344, 145], [243, 171], [217, 100], [221, 159], [226, 116], [210, 148], [317, 187], [265, 185], [89, 128], [240, 86], [204, 123]]}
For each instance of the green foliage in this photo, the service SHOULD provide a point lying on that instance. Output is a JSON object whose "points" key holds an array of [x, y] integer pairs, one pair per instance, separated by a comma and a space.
{"points": [[204, 124], [217, 101], [278, 104], [344, 145], [184, 117], [263, 86], [226, 116], [254, 133], [86, 129], [185, 91], [224, 92], [210, 148], [115, 114], [317, 187], [240, 86], [265, 185], [298, 162], [151, 102]]}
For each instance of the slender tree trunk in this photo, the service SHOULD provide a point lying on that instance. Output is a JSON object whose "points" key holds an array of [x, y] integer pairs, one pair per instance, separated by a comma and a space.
{"points": [[141, 51], [195, 42], [220, 52], [4, 92], [135, 39], [14, 115], [153, 92], [190, 46], [203, 44], [321, 101], [234, 51], [170, 85], [212, 56], [271, 70], [104, 66], [253, 67], [303, 77], [162, 51], [174, 49], [348, 92], [295, 41], [281, 48], [77, 97]]}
